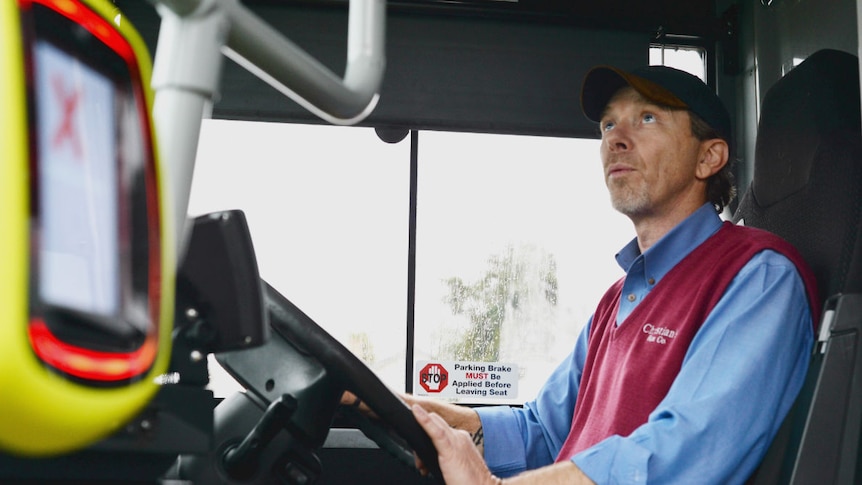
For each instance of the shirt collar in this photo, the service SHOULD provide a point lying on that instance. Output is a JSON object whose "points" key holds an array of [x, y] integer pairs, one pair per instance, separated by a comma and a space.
{"points": [[674, 246]]}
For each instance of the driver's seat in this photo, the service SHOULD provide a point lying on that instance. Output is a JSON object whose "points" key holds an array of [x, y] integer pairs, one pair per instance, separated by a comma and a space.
{"points": [[807, 188]]}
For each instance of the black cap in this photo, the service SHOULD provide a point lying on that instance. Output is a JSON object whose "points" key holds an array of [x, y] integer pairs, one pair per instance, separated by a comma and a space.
{"points": [[662, 85]]}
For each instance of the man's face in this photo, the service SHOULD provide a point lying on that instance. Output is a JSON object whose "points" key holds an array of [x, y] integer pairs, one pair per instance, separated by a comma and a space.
{"points": [[649, 156]]}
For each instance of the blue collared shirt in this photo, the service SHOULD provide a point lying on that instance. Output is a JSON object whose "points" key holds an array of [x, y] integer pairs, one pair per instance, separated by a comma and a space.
{"points": [[739, 378]]}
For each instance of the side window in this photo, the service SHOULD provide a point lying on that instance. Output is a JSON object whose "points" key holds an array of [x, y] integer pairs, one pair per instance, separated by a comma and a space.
{"points": [[515, 245]]}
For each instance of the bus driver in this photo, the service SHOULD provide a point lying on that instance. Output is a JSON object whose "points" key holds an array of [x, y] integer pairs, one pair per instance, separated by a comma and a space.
{"points": [[691, 361]]}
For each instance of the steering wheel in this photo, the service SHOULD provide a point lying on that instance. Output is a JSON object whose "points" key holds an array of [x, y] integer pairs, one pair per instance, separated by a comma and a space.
{"points": [[294, 325]]}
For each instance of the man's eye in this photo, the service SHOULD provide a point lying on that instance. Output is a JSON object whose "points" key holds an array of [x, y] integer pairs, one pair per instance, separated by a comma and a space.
{"points": [[649, 118], [607, 126]]}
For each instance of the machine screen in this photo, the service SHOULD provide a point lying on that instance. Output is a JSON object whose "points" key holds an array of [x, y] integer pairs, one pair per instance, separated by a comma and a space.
{"points": [[79, 250]]}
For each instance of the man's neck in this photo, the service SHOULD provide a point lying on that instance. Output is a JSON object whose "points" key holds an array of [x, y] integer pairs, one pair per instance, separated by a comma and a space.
{"points": [[650, 228]]}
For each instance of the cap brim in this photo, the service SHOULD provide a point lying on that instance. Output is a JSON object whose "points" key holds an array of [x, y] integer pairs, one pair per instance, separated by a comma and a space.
{"points": [[602, 82]]}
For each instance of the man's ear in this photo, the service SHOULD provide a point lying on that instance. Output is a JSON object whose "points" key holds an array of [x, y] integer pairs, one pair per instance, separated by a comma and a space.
{"points": [[714, 154]]}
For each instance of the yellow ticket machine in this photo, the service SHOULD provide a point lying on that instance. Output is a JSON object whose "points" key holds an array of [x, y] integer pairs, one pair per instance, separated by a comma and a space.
{"points": [[87, 278]]}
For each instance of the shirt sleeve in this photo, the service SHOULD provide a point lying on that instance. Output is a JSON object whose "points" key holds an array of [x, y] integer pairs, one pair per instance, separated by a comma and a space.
{"points": [[738, 380], [519, 439]]}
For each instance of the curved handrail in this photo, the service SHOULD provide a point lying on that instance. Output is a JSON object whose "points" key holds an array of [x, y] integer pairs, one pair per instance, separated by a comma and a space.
{"points": [[265, 52], [262, 50], [193, 36]]}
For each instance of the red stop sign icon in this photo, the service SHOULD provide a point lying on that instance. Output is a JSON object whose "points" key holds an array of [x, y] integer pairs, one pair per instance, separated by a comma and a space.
{"points": [[433, 377]]}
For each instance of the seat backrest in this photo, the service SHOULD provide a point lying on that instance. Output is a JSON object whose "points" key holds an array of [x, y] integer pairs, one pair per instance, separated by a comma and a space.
{"points": [[807, 188]]}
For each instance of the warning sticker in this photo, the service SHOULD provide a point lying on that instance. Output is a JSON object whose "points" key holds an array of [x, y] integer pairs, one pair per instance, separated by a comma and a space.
{"points": [[466, 379]]}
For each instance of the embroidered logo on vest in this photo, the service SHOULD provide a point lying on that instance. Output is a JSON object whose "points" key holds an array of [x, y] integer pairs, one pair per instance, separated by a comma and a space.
{"points": [[659, 335]]}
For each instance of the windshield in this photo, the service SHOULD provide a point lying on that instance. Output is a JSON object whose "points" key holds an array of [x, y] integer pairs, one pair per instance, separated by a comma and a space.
{"points": [[515, 239]]}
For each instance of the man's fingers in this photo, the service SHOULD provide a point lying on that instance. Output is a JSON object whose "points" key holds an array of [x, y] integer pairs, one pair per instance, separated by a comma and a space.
{"points": [[352, 400], [419, 465], [434, 425], [430, 427], [421, 415], [459, 459], [348, 398], [424, 420]]}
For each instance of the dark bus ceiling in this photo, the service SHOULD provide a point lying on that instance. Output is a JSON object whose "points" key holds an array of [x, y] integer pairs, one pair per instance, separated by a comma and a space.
{"points": [[693, 16], [489, 66]]}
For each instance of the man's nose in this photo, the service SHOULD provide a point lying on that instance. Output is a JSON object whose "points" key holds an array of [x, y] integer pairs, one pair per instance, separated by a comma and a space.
{"points": [[617, 139]]}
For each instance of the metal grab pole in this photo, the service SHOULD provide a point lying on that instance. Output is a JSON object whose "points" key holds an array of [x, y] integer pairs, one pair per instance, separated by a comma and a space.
{"points": [[187, 68], [185, 80]]}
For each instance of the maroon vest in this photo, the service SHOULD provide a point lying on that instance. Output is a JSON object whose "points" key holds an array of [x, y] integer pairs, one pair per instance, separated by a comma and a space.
{"points": [[629, 368]]}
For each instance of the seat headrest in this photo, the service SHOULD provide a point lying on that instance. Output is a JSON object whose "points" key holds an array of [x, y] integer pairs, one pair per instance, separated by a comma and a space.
{"points": [[807, 185], [818, 97]]}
